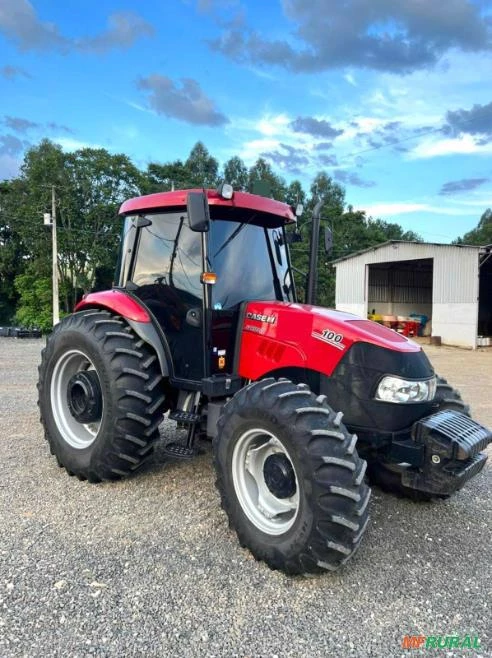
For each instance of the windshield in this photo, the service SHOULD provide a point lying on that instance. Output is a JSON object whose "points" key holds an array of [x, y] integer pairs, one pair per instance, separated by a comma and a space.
{"points": [[241, 255]]}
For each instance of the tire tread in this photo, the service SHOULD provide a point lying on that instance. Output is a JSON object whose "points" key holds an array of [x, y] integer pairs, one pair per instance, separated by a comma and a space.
{"points": [[330, 468], [137, 404]]}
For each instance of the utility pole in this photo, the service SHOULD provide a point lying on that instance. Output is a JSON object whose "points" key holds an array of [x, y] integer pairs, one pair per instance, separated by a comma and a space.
{"points": [[56, 310]]}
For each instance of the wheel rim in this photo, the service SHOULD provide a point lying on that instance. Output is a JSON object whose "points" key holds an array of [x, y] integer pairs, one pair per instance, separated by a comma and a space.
{"points": [[66, 382], [265, 481]]}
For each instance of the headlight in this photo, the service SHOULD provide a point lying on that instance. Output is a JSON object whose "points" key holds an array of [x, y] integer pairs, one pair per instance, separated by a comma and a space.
{"points": [[394, 389]]}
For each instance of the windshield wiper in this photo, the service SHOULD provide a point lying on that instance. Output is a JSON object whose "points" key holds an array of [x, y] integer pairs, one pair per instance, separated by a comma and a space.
{"points": [[233, 235]]}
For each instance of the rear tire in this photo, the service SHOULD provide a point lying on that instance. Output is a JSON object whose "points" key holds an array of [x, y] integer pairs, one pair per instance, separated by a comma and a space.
{"points": [[388, 476], [289, 477], [110, 433]]}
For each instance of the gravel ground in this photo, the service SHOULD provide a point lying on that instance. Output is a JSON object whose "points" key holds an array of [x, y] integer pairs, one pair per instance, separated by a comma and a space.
{"points": [[148, 566]]}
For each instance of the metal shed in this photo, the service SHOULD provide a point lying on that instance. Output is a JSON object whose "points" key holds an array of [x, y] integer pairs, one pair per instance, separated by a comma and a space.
{"points": [[450, 284]]}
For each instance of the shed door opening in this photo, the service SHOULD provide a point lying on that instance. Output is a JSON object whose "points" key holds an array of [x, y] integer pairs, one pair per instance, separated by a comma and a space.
{"points": [[485, 298], [401, 289]]}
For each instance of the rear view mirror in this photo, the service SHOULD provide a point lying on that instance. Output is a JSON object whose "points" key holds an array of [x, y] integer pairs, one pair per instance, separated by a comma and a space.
{"points": [[198, 212], [328, 240], [294, 236]]}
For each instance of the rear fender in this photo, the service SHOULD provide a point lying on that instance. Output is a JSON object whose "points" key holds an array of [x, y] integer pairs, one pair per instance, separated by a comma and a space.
{"points": [[138, 317]]}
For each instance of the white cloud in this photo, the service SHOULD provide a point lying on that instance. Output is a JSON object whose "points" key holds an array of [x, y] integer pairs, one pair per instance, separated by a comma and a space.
{"points": [[252, 149], [366, 125], [463, 145], [403, 207], [250, 137], [69, 144], [428, 94], [274, 125], [480, 202], [260, 73], [348, 77], [140, 108]]}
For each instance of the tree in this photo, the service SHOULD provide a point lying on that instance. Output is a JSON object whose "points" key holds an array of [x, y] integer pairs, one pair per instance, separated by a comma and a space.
{"points": [[11, 251], [262, 180], [333, 196], [294, 194], [482, 234], [380, 231], [98, 183], [236, 173], [203, 169], [165, 177], [89, 185], [35, 300], [332, 193]]}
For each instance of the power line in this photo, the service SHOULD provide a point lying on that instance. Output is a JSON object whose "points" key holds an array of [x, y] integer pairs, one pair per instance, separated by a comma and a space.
{"points": [[390, 144]]}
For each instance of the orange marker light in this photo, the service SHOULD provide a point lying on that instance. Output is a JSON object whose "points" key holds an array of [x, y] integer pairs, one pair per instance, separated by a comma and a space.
{"points": [[208, 277]]}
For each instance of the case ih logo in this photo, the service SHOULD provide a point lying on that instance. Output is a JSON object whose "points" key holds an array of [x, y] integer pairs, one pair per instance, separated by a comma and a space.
{"points": [[329, 336], [269, 319]]}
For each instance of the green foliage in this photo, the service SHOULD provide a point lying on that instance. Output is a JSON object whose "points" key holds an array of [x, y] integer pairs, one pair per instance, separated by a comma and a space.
{"points": [[481, 235], [90, 184], [294, 194], [11, 253], [165, 177], [263, 180], [34, 306], [202, 168], [236, 173]]}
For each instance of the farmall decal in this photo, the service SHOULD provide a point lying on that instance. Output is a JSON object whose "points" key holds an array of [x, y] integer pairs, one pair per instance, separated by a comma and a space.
{"points": [[330, 337], [254, 329], [269, 319]]}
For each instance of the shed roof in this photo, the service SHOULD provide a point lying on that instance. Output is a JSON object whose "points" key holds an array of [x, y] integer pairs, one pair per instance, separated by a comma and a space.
{"points": [[414, 242]]}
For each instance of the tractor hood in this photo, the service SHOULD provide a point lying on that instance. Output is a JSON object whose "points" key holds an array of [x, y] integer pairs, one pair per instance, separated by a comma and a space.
{"points": [[280, 334]]}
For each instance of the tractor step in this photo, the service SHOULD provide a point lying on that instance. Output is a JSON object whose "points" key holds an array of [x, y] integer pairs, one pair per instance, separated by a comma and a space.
{"points": [[187, 417], [178, 451]]}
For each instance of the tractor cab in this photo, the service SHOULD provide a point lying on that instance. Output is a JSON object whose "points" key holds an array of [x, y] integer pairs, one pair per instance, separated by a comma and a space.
{"points": [[193, 258]]}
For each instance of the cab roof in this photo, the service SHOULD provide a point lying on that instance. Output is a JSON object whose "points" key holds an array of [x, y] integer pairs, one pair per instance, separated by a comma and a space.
{"points": [[271, 209]]}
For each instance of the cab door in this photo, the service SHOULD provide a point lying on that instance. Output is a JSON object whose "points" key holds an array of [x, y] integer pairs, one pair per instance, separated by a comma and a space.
{"points": [[166, 277]]}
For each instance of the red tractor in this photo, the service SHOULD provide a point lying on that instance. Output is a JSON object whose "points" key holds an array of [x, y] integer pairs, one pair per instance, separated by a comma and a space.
{"points": [[204, 324]]}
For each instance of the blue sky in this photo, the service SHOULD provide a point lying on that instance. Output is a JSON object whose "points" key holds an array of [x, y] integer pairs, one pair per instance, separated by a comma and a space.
{"points": [[393, 98]]}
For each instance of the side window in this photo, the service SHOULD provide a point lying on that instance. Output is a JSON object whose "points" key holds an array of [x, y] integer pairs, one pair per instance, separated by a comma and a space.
{"points": [[126, 248], [279, 251], [169, 254], [239, 256]]}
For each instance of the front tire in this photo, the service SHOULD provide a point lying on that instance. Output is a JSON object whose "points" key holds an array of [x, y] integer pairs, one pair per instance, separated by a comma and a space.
{"points": [[289, 477], [99, 396], [448, 398]]}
